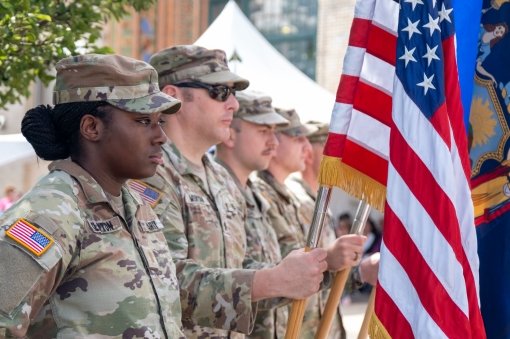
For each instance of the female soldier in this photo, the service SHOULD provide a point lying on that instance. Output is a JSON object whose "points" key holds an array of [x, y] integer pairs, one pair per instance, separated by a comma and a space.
{"points": [[81, 254]]}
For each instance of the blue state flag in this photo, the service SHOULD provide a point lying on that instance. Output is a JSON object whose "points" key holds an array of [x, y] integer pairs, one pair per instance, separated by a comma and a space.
{"points": [[490, 158]]}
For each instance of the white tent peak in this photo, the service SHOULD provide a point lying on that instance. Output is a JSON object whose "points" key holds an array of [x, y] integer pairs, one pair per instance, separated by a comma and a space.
{"points": [[254, 58]]}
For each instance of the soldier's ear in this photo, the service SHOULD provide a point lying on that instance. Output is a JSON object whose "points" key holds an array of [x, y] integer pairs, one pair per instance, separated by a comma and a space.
{"points": [[91, 127], [170, 90], [178, 93]]}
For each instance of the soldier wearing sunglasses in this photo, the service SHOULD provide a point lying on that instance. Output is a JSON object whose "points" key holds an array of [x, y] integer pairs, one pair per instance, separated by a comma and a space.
{"points": [[203, 211]]}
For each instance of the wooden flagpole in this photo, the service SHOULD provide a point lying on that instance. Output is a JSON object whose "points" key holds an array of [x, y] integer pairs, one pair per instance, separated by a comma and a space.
{"points": [[363, 332], [297, 310]]}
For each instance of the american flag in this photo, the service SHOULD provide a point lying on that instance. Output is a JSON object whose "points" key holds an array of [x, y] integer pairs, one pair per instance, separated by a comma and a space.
{"points": [[428, 277], [148, 194], [397, 140], [29, 237]]}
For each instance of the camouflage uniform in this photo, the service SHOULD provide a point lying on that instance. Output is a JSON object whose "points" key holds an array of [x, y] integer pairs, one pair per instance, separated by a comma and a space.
{"points": [[262, 247], [283, 212], [262, 242], [104, 275], [204, 227]]}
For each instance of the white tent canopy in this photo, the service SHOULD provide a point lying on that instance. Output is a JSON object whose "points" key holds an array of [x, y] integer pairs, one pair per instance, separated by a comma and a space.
{"points": [[14, 147], [266, 69]]}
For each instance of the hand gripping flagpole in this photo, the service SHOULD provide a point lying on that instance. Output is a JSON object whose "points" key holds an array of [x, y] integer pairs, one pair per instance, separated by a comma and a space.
{"points": [[319, 214], [341, 277]]}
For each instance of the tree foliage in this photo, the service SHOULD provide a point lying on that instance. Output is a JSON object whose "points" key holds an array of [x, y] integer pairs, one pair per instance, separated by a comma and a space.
{"points": [[35, 34]]}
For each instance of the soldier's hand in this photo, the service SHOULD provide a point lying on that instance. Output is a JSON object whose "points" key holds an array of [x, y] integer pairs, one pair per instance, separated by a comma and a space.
{"points": [[345, 252], [297, 276], [302, 273], [369, 268]]}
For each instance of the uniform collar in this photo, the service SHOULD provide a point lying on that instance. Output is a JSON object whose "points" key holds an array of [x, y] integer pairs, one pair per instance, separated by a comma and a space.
{"points": [[179, 161], [271, 181], [93, 192]]}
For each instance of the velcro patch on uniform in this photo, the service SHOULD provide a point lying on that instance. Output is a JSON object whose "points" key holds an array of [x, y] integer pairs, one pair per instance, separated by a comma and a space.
{"points": [[105, 226], [194, 198], [151, 225], [29, 236], [148, 194]]}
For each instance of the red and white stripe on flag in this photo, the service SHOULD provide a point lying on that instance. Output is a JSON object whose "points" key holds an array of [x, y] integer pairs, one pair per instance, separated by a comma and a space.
{"points": [[356, 152], [428, 274]]}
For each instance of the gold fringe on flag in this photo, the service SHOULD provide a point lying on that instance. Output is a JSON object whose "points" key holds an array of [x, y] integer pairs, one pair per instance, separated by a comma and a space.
{"points": [[334, 172], [376, 329]]}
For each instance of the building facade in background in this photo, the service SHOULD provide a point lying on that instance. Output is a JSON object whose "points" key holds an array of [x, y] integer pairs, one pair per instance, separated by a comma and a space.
{"points": [[311, 34], [167, 23], [334, 24]]}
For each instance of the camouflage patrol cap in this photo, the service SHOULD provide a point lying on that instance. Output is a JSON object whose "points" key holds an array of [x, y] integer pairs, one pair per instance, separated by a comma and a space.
{"points": [[321, 134], [194, 63], [295, 128], [126, 83], [255, 107]]}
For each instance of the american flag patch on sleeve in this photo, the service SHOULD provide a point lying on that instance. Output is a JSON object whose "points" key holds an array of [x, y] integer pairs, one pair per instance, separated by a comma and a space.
{"points": [[29, 236], [148, 194]]}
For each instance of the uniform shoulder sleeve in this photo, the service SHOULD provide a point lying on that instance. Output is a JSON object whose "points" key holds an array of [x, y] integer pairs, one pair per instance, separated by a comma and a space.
{"points": [[37, 242]]}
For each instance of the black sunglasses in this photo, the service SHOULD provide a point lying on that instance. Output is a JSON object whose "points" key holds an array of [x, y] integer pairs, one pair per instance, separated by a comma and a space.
{"points": [[216, 92]]}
